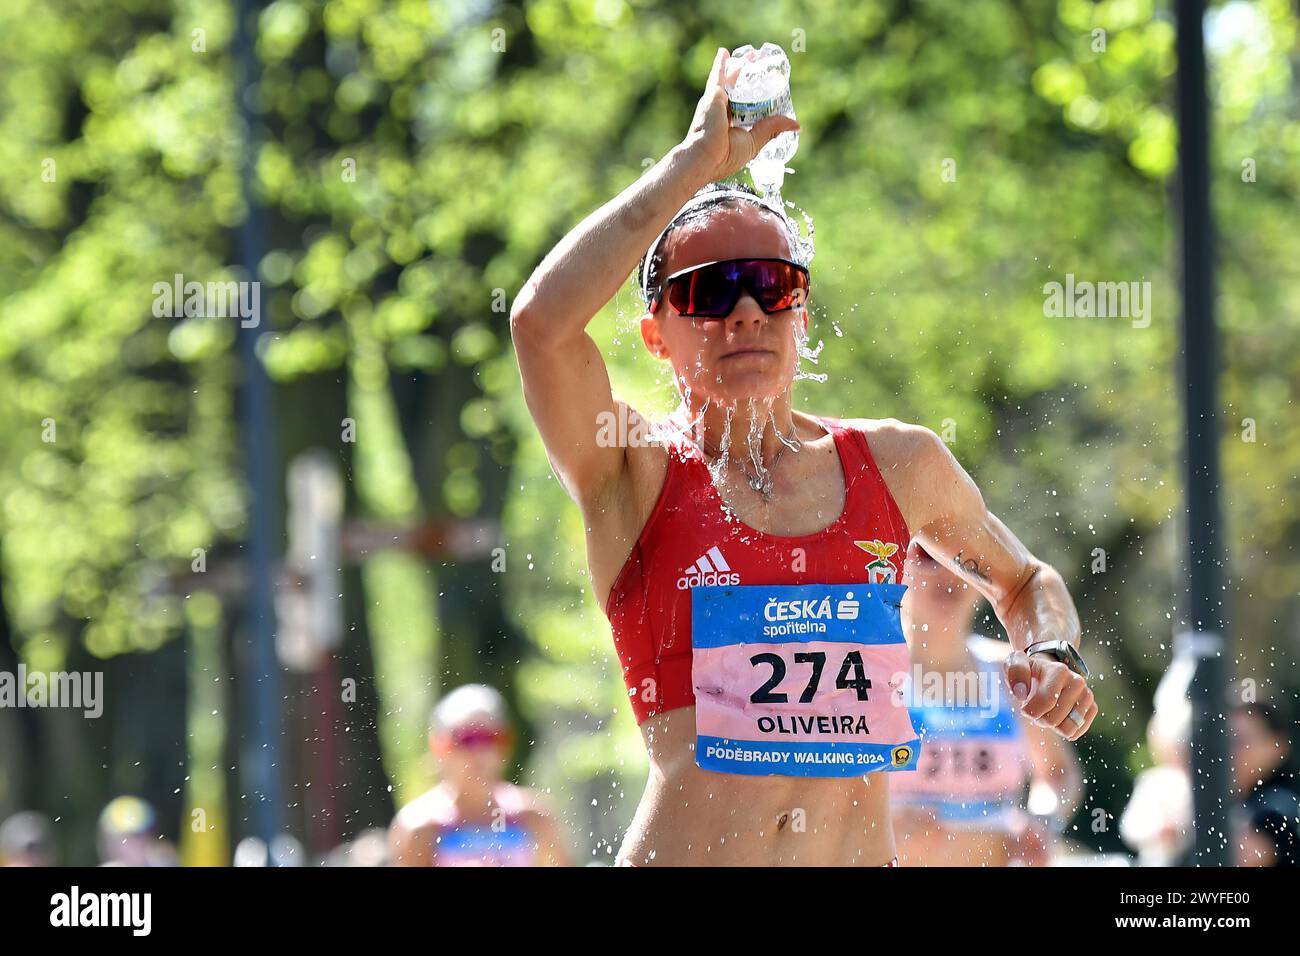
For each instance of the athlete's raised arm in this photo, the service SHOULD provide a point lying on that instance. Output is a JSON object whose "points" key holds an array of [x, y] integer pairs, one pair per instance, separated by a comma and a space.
{"points": [[947, 515], [564, 377]]}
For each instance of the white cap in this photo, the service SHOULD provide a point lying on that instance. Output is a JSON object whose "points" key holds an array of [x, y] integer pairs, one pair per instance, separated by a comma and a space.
{"points": [[471, 703], [728, 191]]}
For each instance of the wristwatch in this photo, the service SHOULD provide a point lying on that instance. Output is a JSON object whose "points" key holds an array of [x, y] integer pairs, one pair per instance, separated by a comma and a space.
{"points": [[1063, 651]]}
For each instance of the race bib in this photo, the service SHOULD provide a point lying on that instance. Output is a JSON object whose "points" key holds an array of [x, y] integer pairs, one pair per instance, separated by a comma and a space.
{"points": [[483, 846], [975, 766], [801, 680]]}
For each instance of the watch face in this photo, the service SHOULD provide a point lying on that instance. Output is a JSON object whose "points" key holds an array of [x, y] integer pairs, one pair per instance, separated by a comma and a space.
{"points": [[1067, 654], [1073, 658]]}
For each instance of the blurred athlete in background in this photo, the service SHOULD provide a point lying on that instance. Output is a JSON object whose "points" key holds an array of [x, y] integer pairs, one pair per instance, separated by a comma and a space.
{"points": [[965, 804], [474, 817]]}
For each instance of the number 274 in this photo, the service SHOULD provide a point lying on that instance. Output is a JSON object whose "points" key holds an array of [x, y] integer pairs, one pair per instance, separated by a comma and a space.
{"points": [[852, 675]]}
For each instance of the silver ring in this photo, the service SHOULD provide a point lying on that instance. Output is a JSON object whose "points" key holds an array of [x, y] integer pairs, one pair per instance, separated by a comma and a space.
{"points": [[1075, 716]]}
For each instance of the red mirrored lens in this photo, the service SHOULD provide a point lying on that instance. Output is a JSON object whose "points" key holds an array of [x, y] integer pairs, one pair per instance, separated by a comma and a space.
{"points": [[476, 737], [712, 291], [776, 285]]}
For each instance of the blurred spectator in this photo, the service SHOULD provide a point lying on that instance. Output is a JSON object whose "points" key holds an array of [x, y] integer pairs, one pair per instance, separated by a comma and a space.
{"points": [[285, 850], [27, 839], [1157, 822], [129, 836], [251, 851], [1268, 823], [370, 848]]}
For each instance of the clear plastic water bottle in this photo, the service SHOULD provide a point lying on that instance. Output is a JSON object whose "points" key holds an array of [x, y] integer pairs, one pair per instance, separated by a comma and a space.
{"points": [[758, 85]]}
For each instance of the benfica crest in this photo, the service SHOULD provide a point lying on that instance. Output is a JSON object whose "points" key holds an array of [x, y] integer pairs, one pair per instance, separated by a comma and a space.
{"points": [[879, 571]]}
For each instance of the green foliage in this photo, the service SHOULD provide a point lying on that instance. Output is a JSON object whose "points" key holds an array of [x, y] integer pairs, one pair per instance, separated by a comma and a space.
{"points": [[117, 171], [419, 159]]}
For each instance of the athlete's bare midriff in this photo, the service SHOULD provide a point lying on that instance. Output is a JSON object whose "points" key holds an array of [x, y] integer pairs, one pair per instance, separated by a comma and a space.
{"points": [[694, 817], [690, 816]]}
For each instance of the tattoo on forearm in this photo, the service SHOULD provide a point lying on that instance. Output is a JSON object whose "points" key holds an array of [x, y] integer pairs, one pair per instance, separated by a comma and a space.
{"points": [[971, 567]]}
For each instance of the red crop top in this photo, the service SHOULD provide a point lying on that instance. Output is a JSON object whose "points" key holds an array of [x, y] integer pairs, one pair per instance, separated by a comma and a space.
{"points": [[689, 541]]}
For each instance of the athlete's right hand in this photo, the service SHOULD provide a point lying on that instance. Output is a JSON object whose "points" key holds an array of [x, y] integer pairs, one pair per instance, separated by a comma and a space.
{"points": [[1050, 694], [719, 148]]}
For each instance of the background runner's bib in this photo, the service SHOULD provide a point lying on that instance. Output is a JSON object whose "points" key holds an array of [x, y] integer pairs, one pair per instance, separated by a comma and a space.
{"points": [[976, 763], [800, 680], [483, 846]]}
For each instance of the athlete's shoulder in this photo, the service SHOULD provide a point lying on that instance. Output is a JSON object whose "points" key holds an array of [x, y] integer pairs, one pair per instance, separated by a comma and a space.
{"points": [[889, 430], [896, 445]]}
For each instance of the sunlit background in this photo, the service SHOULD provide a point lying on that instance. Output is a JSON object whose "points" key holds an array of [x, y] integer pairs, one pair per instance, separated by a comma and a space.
{"points": [[414, 162]]}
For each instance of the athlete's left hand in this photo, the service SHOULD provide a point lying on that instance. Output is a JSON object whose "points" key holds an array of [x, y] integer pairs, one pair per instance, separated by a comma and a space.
{"points": [[1050, 694]]}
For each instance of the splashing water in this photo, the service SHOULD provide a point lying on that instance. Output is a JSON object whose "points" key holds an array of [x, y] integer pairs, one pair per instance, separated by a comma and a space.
{"points": [[718, 466], [804, 248], [754, 439], [793, 443], [807, 352], [805, 245], [761, 414]]}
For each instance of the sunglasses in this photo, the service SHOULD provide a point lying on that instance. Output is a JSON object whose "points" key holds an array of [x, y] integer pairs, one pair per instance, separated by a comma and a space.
{"points": [[475, 737], [711, 290]]}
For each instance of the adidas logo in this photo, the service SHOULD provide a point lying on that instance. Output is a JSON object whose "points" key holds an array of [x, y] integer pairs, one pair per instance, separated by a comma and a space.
{"points": [[709, 570]]}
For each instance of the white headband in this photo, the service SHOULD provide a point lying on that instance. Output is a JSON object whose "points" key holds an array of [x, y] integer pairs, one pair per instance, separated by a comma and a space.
{"points": [[697, 200]]}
